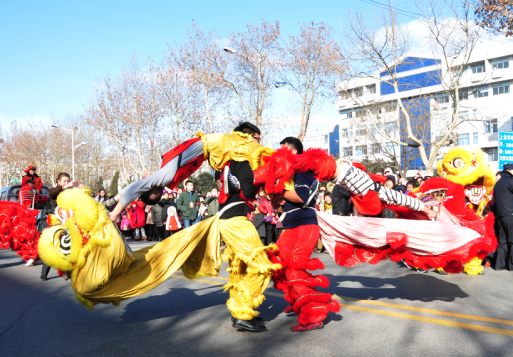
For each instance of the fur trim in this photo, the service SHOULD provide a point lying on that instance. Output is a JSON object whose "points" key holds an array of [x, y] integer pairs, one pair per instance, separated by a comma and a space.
{"points": [[319, 161]]}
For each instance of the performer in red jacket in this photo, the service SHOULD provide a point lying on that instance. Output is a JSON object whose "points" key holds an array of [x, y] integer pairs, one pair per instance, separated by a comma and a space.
{"points": [[31, 175]]}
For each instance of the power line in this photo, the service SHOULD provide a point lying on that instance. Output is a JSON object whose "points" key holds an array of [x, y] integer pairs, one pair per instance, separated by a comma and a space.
{"points": [[395, 7], [403, 12]]}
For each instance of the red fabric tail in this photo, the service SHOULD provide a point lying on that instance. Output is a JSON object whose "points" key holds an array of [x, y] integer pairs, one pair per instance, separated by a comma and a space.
{"points": [[186, 170]]}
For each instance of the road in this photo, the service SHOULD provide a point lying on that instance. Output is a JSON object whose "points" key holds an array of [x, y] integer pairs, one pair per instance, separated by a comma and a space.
{"points": [[387, 310]]}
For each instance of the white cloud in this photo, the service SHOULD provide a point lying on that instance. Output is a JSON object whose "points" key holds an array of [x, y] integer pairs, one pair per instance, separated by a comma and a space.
{"points": [[489, 45]]}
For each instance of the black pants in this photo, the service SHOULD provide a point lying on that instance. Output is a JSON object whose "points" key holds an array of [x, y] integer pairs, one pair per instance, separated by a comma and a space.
{"points": [[159, 233], [270, 233], [150, 231], [169, 233], [503, 258], [45, 270]]}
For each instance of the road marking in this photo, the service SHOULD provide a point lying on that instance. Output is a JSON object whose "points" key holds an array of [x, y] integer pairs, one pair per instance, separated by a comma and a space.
{"points": [[428, 311], [467, 326], [401, 315]]}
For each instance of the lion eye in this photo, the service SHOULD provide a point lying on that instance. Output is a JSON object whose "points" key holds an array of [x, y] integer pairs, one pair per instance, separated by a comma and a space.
{"points": [[458, 163]]}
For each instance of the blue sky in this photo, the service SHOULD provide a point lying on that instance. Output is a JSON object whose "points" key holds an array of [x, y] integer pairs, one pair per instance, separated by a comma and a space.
{"points": [[53, 52]]}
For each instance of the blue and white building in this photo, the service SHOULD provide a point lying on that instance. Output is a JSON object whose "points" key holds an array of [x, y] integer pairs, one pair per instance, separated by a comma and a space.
{"points": [[486, 101]]}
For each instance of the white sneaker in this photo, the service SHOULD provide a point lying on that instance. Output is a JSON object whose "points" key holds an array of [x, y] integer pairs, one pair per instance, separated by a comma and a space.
{"points": [[29, 263]]}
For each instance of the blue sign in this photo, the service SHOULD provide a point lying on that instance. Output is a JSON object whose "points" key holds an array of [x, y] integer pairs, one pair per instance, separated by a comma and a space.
{"points": [[505, 149]]}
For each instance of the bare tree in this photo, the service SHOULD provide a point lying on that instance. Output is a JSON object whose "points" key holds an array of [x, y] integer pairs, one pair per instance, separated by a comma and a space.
{"points": [[308, 68], [253, 69], [378, 50]]}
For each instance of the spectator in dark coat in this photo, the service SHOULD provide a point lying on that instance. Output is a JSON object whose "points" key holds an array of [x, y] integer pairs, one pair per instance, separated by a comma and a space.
{"points": [[165, 203], [156, 212], [503, 198], [341, 201]]}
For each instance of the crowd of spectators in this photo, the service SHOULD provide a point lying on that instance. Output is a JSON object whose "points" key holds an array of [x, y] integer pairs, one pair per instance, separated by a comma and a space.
{"points": [[177, 209]]}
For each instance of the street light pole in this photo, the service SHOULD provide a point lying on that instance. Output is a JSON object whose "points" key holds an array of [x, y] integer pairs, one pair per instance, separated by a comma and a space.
{"points": [[73, 148]]}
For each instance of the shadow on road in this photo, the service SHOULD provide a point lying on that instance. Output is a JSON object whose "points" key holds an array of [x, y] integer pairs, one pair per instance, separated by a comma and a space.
{"points": [[184, 300], [415, 287]]}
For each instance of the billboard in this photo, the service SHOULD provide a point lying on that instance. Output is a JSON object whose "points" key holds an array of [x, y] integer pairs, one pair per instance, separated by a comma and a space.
{"points": [[505, 148]]}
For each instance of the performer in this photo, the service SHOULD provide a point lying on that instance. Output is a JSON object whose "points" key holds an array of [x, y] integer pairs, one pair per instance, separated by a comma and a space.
{"points": [[449, 243], [31, 175], [104, 270], [295, 246]]}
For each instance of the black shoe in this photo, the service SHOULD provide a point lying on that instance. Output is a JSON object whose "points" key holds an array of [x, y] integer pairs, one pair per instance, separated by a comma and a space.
{"points": [[248, 325], [256, 319], [44, 278]]}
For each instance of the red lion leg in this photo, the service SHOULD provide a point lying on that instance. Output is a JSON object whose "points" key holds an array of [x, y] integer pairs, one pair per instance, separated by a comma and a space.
{"points": [[295, 248]]}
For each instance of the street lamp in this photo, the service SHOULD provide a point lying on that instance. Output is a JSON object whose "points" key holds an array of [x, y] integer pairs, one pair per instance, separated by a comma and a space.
{"points": [[229, 50], [280, 84], [73, 148]]}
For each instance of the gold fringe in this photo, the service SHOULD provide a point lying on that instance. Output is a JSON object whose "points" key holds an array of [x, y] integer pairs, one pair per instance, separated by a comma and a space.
{"points": [[241, 313]]}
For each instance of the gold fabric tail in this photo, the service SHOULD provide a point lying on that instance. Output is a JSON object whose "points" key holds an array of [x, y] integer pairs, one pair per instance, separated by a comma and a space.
{"points": [[105, 278]]}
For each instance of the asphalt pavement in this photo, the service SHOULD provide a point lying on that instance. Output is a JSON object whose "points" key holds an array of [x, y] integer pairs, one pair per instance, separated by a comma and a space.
{"points": [[387, 310]]}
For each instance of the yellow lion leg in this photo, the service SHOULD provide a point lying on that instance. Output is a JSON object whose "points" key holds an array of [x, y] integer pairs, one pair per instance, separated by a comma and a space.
{"points": [[474, 267]]}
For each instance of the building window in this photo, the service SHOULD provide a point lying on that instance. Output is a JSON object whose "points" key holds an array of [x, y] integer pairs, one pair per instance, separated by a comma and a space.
{"points": [[372, 89], [344, 94], [463, 139], [391, 106], [348, 151], [493, 154], [324, 139], [478, 67], [391, 127], [346, 133], [442, 98], [348, 113], [375, 149], [361, 150], [455, 70], [463, 93], [500, 63], [358, 92], [500, 88], [359, 113], [374, 130], [476, 138], [463, 115], [360, 131], [390, 147], [481, 92], [490, 126]]}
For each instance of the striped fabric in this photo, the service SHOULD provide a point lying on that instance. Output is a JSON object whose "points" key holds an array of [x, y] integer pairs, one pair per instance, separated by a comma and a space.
{"points": [[359, 183]]}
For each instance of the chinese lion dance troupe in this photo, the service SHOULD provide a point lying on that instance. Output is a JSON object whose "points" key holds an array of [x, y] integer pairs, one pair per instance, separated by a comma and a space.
{"points": [[443, 225]]}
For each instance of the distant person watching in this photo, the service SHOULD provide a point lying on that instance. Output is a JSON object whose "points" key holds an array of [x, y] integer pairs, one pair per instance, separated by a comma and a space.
{"points": [[31, 175]]}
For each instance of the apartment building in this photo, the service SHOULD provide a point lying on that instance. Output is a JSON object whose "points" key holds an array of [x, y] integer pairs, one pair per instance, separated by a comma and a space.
{"points": [[486, 107]]}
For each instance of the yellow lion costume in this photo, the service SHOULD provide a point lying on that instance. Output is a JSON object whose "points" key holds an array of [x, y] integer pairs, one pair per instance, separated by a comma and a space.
{"points": [[83, 240], [469, 169]]}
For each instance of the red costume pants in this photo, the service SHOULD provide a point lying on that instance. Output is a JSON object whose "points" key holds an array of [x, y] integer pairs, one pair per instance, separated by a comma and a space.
{"points": [[295, 248]]}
